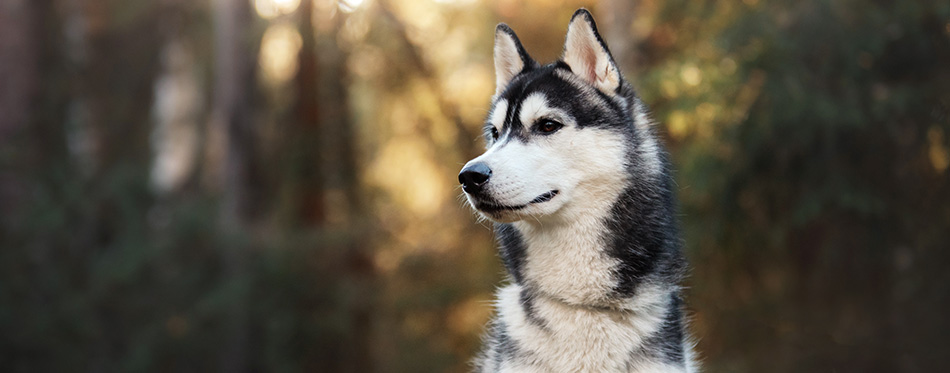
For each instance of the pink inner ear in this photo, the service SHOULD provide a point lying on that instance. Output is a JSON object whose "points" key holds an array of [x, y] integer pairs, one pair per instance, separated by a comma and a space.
{"points": [[590, 63]]}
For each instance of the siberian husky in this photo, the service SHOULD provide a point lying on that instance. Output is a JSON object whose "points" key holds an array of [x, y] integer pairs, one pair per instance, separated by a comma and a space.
{"points": [[583, 203]]}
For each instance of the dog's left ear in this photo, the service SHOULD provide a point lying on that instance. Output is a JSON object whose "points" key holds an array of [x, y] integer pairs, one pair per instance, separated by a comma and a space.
{"points": [[587, 55]]}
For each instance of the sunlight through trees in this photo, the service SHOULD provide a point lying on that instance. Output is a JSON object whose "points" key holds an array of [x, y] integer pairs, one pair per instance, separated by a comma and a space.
{"points": [[271, 185]]}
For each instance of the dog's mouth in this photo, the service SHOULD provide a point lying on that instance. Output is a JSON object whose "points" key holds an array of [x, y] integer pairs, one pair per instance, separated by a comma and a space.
{"points": [[544, 197], [494, 207]]}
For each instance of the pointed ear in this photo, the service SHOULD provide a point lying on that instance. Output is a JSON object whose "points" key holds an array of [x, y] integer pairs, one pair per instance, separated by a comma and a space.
{"points": [[510, 57], [587, 55]]}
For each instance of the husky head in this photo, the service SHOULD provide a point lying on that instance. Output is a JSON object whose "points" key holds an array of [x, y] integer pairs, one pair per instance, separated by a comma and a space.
{"points": [[561, 138]]}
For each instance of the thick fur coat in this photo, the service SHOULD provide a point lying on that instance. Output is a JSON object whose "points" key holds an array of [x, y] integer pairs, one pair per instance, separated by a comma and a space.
{"points": [[583, 203]]}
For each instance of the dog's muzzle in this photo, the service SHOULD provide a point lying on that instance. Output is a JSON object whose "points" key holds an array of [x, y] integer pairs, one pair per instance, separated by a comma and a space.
{"points": [[475, 177]]}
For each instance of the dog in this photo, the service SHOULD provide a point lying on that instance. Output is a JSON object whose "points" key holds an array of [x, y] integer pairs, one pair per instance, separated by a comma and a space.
{"points": [[582, 199]]}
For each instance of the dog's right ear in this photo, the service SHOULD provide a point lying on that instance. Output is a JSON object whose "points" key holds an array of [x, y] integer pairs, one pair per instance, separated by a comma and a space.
{"points": [[510, 57]]}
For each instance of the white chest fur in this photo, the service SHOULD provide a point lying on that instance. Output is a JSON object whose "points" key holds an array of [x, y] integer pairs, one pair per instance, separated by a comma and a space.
{"points": [[577, 323], [565, 264], [583, 339]]}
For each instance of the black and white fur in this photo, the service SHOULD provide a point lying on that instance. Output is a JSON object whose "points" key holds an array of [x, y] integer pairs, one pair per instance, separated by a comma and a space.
{"points": [[582, 197]]}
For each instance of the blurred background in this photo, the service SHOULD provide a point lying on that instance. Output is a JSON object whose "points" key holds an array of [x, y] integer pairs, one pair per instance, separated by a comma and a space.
{"points": [[270, 185]]}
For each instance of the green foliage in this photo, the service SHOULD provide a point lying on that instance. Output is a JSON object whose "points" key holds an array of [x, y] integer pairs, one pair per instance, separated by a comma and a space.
{"points": [[811, 141], [149, 289], [814, 214]]}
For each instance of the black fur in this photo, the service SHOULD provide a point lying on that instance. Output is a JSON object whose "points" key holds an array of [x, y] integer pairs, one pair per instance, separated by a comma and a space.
{"points": [[544, 79], [527, 303], [503, 349], [512, 250], [506, 347], [643, 234]]}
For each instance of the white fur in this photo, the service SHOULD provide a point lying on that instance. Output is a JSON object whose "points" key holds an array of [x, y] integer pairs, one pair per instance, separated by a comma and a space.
{"points": [[532, 108], [581, 338], [654, 367], [689, 354], [649, 150], [497, 116]]}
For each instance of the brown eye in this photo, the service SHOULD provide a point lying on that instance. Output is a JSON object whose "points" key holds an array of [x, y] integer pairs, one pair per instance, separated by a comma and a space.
{"points": [[494, 133], [549, 126]]}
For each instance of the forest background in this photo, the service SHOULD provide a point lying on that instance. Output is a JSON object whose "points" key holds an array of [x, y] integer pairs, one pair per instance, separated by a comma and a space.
{"points": [[270, 185]]}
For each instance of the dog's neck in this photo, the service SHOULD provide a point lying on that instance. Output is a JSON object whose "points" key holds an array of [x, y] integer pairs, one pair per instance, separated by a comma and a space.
{"points": [[573, 257], [566, 258]]}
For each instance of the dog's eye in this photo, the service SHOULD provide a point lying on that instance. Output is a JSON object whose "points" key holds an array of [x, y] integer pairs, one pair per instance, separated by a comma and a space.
{"points": [[549, 126], [494, 133]]}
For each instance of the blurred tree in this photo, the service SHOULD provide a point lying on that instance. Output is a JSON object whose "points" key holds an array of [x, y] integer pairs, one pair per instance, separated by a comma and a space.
{"points": [[19, 56], [804, 135], [616, 20], [232, 114], [308, 173], [179, 109], [232, 125], [319, 231]]}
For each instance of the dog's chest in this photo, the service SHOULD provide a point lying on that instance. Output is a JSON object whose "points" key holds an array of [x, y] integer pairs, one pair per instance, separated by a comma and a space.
{"points": [[554, 337]]}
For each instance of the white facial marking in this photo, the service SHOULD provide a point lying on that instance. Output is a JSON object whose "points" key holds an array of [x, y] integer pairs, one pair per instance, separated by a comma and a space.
{"points": [[522, 172], [497, 117], [585, 166], [533, 107]]}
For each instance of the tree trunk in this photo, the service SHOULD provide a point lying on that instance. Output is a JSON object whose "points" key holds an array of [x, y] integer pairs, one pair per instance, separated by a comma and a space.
{"points": [[617, 18], [338, 140], [308, 173], [343, 188], [231, 114], [232, 135], [18, 72], [177, 108], [17, 65]]}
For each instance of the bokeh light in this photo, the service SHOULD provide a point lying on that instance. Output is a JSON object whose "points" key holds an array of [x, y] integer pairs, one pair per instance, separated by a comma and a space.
{"points": [[270, 9], [278, 56]]}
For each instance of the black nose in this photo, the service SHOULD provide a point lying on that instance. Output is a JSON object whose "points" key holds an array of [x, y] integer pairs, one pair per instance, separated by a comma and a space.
{"points": [[474, 176]]}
